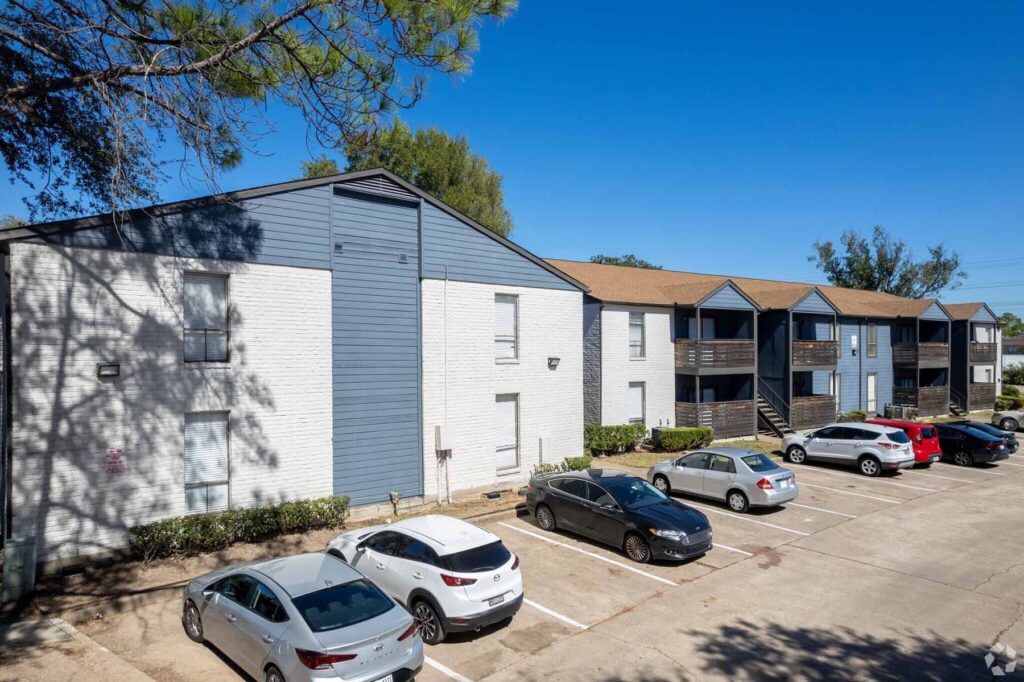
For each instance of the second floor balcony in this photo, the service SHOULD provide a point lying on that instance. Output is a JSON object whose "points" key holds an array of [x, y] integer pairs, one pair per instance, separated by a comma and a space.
{"points": [[983, 352], [933, 354], [815, 353], [715, 356]]}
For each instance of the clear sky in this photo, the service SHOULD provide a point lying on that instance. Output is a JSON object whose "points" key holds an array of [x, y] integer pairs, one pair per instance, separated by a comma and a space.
{"points": [[728, 137]]}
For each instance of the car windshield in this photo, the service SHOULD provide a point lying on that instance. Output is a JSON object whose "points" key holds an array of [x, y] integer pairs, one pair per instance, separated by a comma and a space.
{"points": [[898, 437], [479, 559], [342, 605], [928, 433], [758, 462], [633, 493]]}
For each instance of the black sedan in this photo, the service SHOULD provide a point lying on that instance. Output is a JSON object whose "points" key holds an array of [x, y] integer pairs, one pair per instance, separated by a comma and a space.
{"points": [[966, 445], [1010, 439], [623, 511]]}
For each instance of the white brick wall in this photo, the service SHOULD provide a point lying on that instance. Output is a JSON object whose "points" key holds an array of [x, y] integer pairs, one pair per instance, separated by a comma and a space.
{"points": [[73, 308], [657, 369], [458, 335]]}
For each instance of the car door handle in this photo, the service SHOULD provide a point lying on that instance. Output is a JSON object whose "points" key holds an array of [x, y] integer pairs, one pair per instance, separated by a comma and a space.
{"points": [[268, 639], [231, 619], [418, 576], [380, 567]]}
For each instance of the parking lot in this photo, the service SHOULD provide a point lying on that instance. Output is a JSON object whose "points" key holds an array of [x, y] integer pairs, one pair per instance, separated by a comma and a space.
{"points": [[913, 574]]}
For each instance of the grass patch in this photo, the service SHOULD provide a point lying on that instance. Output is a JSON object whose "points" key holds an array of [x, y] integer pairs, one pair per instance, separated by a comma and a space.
{"points": [[983, 417]]}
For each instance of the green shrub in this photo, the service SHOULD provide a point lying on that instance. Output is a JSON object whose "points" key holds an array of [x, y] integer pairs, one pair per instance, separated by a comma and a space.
{"points": [[685, 438], [1011, 391], [1009, 402], [613, 439], [853, 416], [570, 464], [1014, 374], [202, 533]]}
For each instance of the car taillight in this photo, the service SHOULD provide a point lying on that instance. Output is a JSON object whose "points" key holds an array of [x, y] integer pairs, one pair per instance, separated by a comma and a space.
{"points": [[990, 445], [515, 564], [409, 632], [529, 487], [765, 484], [887, 445], [315, 660], [455, 581]]}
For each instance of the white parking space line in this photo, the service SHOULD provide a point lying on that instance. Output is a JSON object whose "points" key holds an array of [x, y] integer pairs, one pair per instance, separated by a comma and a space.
{"points": [[869, 479], [1010, 464], [590, 554], [948, 478], [827, 511], [445, 670], [744, 518], [554, 614], [719, 545], [805, 484], [976, 470]]}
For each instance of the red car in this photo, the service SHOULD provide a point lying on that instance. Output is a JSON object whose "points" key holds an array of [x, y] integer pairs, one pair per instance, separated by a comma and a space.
{"points": [[923, 437]]}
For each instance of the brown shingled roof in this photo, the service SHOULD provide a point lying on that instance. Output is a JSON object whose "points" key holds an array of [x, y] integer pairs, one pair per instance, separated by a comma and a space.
{"points": [[963, 311], [620, 284]]}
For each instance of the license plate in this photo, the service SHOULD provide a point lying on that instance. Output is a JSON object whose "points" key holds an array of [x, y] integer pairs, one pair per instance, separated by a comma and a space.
{"points": [[494, 601], [389, 678], [785, 483], [935, 458]]}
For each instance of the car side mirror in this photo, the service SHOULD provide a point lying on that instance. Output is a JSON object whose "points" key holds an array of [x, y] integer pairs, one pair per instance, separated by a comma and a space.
{"points": [[361, 547]]}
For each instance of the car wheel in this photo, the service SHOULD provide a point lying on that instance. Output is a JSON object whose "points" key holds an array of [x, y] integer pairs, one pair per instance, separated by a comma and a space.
{"points": [[193, 622], [738, 502], [272, 674], [796, 454], [637, 548], [869, 466], [428, 622], [1009, 424], [662, 484], [546, 518], [963, 458]]}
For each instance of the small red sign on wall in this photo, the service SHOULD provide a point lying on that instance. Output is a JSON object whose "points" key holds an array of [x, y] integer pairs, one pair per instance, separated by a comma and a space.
{"points": [[115, 461]]}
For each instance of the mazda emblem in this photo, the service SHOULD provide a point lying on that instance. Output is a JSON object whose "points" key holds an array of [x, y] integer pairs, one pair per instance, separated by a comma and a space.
{"points": [[497, 577]]}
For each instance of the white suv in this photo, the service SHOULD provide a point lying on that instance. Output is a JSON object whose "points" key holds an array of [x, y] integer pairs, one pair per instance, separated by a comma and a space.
{"points": [[453, 576], [872, 448]]}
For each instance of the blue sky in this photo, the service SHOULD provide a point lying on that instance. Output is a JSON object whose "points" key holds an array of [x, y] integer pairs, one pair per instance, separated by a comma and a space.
{"points": [[728, 137]]}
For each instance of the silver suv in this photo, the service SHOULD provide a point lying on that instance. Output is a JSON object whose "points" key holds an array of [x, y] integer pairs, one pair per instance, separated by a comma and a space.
{"points": [[872, 448]]}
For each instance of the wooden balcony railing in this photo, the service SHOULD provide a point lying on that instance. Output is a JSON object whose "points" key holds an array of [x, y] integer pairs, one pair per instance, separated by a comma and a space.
{"points": [[929, 400], [815, 353], [983, 352], [715, 353], [728, 419], [981, 396], [921, 354], [809, 411]]}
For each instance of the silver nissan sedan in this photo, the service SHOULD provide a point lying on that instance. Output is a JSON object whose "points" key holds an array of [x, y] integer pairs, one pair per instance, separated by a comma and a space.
{"points": [[742, 478], [304, 617]]}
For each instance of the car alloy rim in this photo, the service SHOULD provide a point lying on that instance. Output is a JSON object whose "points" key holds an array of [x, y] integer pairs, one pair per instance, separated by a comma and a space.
{"points": [[426, 621], [868, 466], [192, 620], [797, 455], [636, 548], [1009, 425], [961, 458], [660, 484], [736, 501], [544, 516], [274, 676]]}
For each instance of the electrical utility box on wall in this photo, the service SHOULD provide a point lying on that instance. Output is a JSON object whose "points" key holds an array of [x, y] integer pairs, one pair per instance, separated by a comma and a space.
{"points": [[19, 568], [442, 438]]}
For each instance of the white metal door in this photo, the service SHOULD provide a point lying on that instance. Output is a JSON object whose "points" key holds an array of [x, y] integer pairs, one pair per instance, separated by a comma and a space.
{"points": [[506, 412], [872, 393]]}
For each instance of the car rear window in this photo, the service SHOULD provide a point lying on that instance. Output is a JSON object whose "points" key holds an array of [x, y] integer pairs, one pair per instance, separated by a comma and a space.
{"points": [[479, 559], [898, 437], [928, 433], [342, 605], [759, 462], [978, 433]]}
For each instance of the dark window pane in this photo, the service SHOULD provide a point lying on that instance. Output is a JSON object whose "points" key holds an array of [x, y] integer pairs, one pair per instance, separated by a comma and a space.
{"points": [[479, 559], [721, 463], [237, 588], [268, 605], [759, 463], [598, 495], [928, 433], [694, 460], [342, 605], [898, 437], [573, 486]]}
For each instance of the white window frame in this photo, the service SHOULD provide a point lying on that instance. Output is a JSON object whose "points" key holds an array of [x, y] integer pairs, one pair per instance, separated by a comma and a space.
{"points": [[213, 482], [871, 400], [503, 448], [643, 402], [226, 330], [871, 345], [639, 352], [505, 338]]}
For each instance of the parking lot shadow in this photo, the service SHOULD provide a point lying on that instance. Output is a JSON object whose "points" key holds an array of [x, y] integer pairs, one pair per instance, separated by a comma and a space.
{"points": [[772, 651]]}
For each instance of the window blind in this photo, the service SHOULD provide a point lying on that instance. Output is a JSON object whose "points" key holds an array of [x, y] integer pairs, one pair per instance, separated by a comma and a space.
{"points": [[206, 462], [506, 430]]}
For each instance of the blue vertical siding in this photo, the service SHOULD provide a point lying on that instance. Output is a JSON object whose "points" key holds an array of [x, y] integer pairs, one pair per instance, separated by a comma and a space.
{"points": [[458, 251], [376, 338], [855, 368], [729, 298]]}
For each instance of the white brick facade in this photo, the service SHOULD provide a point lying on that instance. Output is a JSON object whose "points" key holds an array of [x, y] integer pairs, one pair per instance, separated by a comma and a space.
{"points": [[657, 369], [73, 308], [461, 379]]}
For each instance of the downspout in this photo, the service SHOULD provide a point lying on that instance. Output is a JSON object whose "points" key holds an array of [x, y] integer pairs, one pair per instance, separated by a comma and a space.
{"points": [[6, 449]]}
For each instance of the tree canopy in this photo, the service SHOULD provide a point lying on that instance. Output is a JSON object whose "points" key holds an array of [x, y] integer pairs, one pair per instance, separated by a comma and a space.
{"points": [[628, 260], [1012, 324], [439, 164], [887, 264], [91, 91], [319, 167]]}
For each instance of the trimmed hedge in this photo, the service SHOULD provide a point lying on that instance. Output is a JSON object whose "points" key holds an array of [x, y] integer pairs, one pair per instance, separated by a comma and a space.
{"points": [[1011, 391], [685, 438], [569, 464], [853, 416], [1009, 402], [611, 439], [1014, 374], [201, 533]]}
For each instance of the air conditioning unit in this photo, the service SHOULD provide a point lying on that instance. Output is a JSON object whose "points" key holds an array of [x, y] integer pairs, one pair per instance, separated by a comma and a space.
{"points": [[897, 411]]}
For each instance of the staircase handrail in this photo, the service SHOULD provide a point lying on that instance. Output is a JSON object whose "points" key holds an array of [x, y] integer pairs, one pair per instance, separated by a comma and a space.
{"points": [[773, 399]]}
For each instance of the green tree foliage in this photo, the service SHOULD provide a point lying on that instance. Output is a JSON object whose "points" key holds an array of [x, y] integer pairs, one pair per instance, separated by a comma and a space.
{"points": [[1012, 324], [887, 264], [91, 91], [628, 260], [9, 221], [319, 167], [439, 164]]}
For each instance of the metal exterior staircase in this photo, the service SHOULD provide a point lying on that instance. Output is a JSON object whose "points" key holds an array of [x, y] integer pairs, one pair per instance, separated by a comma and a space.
{"points": [[772, 410]]}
